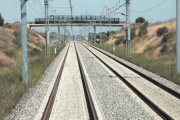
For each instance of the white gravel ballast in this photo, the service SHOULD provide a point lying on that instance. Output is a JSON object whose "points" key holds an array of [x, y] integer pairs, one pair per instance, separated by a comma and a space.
{"points": [[116, 100]]}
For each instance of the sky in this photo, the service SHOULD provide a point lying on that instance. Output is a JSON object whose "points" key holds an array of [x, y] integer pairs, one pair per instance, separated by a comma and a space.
{"points": [[10, 10]]}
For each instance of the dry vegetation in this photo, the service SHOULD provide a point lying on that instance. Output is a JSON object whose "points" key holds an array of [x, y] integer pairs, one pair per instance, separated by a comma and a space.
{"points": [[140, 44], [11, 85]]}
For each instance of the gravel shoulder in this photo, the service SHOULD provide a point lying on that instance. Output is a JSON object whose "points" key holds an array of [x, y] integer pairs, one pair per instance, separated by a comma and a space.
{"points": [[28, 106]]}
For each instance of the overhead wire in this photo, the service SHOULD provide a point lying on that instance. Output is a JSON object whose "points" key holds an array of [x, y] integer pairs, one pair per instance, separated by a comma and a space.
{"points": [[34, 9], [150, 8], [71, 16], [41, 6]]}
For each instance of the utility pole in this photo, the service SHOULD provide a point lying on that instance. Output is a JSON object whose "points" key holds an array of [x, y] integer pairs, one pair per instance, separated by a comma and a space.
{"points": [[128, 36], [95, 34], [64, 36], [24, 42], [59, 37], [178, 36], [101, 33], [110, 40], [47, 47]]}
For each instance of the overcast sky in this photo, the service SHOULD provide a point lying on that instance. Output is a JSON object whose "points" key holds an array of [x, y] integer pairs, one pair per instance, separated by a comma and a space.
{"points": [[10, 10]]}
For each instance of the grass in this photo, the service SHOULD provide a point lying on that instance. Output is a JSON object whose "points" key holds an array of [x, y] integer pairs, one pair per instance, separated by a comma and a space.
{"points": [[11, 86], [161, 66]]}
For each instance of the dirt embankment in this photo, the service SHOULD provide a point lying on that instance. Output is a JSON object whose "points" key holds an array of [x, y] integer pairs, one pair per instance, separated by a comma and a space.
{"points": [[150, 40], [10, 45]]}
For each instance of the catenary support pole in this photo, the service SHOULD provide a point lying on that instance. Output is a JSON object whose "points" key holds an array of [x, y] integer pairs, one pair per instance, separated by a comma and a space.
{"points": [[24, 42], [64, 36], [178, 35], [59, 37], [94, 33], [101, 34], [128, 38]]}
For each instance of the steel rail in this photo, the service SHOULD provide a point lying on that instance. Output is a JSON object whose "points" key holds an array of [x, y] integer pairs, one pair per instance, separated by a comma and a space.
{"points": [[91, 109], [167, 89], [150, 103], [48, 106]]}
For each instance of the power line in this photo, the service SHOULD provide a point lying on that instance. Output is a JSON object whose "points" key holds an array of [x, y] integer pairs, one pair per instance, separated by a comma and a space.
{"points": [[41, 6], [34, 10], [149, 9], [71, 16]]}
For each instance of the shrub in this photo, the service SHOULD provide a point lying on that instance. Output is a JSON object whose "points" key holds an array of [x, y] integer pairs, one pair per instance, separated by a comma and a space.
{"points": [[17, 41], [164, 49], [7, 25], [120, 40], [17, 33], [143, 30], [10, 53], [38, 44], [140, 20], [133, 33], [167, 37], [34, 51], [149, 48], [161, 31]]}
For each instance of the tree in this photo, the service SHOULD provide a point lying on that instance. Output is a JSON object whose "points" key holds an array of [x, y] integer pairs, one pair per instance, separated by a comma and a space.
{"points": [[1, 20], [140, 20]]}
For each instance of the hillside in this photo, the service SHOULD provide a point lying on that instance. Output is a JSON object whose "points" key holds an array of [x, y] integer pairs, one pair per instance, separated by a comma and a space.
{"points": [[10, 44], [151, 43]]}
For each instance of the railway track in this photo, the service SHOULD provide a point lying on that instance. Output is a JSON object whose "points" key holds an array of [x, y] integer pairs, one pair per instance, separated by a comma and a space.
{"points": [[162, 99], [70, 97]]}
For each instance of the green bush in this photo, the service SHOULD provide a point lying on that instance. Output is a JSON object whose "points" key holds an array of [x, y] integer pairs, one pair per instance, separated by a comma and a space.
{"points": [[166, 37], [34, 51], [7, 25], [140, 20], [161, 31], [149, 48], [17, 41], [120, 40], [17, 33], [38, 44], [133, 33], [10, 53], [164, 49], [143, 30]]}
